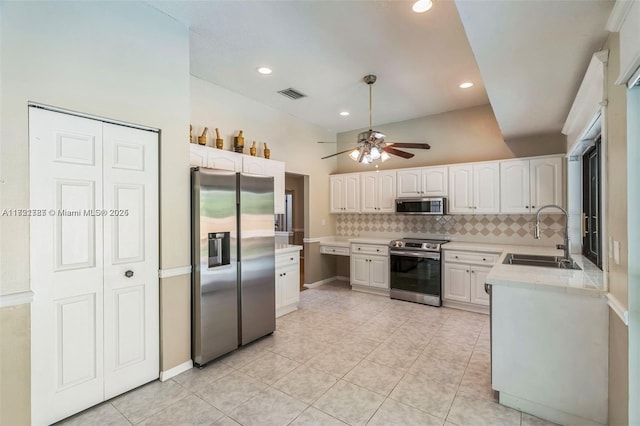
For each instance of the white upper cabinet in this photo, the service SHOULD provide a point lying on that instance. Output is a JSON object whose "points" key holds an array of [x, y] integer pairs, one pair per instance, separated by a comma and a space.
{"points": [[435, 181], [514, 186], [486, 188], [474, 188], [266, 167], [422, 182], [224, 160], [546, 182], [204, 156], [345, 193], [461, 189], [378, 192], [528, 185]]}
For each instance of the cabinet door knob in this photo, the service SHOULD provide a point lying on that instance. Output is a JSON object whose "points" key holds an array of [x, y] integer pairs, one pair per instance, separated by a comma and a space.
{"points": [[377, 249], [526, 207], [484, 259], [473, 272], [533, 207], [128, 274], [291, 258], [467, 270], [456, 257], [358, 248], [284, 273]]}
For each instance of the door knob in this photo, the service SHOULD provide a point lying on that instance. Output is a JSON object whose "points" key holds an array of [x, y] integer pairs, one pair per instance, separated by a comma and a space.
{"points": [[128, 274]]}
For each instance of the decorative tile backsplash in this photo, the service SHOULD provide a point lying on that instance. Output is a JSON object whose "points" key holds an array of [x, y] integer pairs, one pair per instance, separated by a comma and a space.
{"points": [[512, 229]]}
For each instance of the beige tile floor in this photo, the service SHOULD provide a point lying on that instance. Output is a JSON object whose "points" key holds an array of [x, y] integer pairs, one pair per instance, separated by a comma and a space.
{"points": [[343, 358]]}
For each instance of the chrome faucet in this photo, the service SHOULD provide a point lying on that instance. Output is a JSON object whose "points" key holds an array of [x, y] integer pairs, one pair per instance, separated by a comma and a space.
{"points": [[565, 246]]}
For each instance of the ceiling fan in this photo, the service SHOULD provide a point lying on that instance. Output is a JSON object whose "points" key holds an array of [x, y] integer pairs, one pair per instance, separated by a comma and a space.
{"points": [[371, 145]]}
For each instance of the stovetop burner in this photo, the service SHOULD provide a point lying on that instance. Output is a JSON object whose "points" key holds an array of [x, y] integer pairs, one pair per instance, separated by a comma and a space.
{"points": [[417, 244]]}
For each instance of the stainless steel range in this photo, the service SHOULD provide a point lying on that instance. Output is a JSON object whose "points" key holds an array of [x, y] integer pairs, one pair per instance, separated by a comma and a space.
{"points": [[415, 270]]}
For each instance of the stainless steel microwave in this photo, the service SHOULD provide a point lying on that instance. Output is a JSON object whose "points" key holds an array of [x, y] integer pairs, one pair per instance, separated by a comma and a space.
{"points": [[430, 205]]}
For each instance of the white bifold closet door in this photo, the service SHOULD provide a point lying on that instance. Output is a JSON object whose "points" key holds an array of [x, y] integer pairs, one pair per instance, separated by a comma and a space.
{"points": [[94, 262]]}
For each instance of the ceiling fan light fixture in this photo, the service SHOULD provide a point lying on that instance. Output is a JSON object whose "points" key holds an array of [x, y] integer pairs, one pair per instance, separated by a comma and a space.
{"points": [[384, 156], [265, 70], [374, 153], [422, 6], [354, 154]]}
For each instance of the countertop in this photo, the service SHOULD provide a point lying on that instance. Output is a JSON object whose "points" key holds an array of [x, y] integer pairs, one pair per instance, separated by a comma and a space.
{"points": [[287, 248], [588, 281], [344, 242]]}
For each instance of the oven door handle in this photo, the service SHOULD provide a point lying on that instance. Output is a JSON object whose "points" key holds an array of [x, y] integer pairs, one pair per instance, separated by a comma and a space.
{"points": [[427, 255]]}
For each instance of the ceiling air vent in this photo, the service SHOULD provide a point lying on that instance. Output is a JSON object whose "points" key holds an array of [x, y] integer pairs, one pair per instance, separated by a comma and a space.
{"points": [[292, 93]]}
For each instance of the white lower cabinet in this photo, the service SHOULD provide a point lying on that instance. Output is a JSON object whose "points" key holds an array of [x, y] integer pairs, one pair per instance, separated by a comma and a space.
{"points": [[287, 282], [370, 268], [464, 276]]}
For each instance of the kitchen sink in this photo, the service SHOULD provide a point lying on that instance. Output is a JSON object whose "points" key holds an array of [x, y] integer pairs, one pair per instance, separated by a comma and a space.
{"points": [[557, 262]]}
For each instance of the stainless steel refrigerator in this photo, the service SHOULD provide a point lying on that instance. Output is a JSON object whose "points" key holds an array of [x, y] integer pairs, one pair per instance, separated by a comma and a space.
{"points": [[233, 261]]}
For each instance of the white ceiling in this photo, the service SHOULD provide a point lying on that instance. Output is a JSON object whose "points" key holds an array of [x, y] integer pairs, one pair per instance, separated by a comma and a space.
{"points": [[531, 54]]}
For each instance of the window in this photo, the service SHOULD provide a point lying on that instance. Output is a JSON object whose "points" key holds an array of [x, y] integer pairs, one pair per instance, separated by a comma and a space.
{"points": [[591, 209]]}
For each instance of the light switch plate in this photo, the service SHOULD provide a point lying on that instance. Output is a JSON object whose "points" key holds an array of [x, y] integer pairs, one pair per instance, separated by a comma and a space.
{"points": [[616, 252]]}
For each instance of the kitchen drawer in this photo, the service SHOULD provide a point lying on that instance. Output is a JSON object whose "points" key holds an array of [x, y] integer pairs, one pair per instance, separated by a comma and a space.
{"points": [[370, 249], [287, 259], [478, 258], [337, 250]]}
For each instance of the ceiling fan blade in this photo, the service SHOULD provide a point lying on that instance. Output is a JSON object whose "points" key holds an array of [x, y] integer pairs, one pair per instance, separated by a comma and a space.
{"points": [[338, 153], [326, 142], [409, 145], [397, 152]]}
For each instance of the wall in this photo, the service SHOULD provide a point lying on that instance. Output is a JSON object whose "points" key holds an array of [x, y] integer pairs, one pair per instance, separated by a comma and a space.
{"points": [[459, 136], [290, 140], [120, 60], [616, 225]]}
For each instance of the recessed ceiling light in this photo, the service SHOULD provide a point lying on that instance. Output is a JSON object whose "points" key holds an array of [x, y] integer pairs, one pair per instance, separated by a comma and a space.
{"points": [[344, 113], [264, 70], [466, 85], [422, 6]]}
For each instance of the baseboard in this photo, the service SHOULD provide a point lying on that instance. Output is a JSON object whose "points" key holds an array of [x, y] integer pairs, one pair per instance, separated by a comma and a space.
{"points": [[284, 310], [466, 306], [543, 411], [322, 282], [173, 372], [370, 290], [339, 278]]}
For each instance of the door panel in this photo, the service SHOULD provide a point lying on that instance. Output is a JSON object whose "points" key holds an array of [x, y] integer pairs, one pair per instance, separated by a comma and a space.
{"points": [[76, 341], [74, 230], [478, 278], [66, 265], [514, 186], [435, 181], [409, 183], [456, 282], [359, 270], [128, 229], [131, 244], [379, 272], [546, 182], [369, 189], [460, 189], [486, 188], [386, 192]]}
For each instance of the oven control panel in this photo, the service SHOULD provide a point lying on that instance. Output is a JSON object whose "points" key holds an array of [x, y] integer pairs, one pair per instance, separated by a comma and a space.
{"points": [[417, 244]]}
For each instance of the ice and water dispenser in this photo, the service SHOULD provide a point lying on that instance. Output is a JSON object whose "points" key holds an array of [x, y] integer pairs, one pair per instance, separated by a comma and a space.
{"points": [[219, 249]]}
